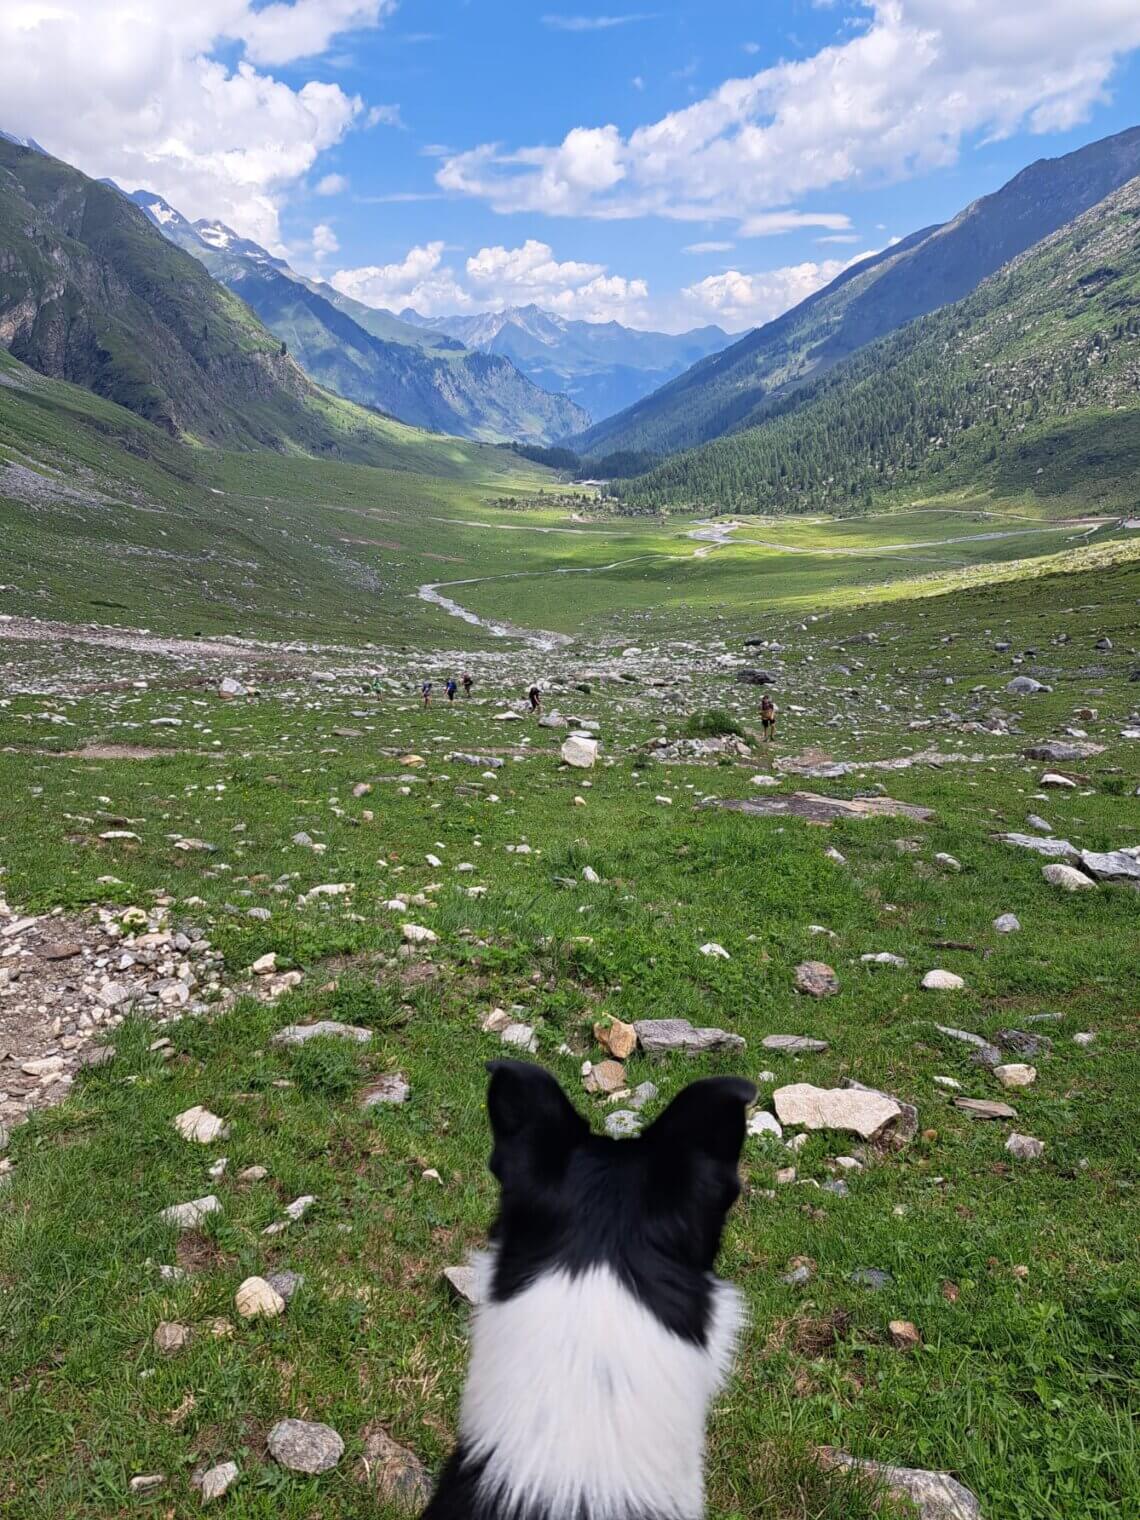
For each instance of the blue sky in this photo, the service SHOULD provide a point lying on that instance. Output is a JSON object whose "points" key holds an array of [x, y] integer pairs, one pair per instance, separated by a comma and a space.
{"points": [[668, 165]]}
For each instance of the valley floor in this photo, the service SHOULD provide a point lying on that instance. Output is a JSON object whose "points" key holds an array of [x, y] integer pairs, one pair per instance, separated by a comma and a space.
{"points": [[314, 816]]}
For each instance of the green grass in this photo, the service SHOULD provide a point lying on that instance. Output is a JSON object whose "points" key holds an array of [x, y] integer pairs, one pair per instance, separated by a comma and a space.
{"points": [[1025, 1386]]}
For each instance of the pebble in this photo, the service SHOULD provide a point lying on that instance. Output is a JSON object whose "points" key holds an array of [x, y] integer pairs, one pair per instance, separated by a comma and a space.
{"points": [[883, 958], [188, 1216], [253, 1174], [604, 1077], [616, 1037], [982, 1108], [874, 1278], [794, 1044], [297, 1034], [465, 1282], [396, 1475], [623, 1124], [904, 1335], [146, 1483], [216, 1481], [392, 1088], [170, 1336], [305, 1446], [715, 950], [1085, 1037], [1007, 923], [643, 1093], [416, 934], [763, 1123]]}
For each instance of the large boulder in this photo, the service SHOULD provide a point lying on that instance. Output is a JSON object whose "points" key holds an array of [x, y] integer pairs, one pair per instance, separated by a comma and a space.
{"points": [[580, 752], [755, 678], [1113, 865]]}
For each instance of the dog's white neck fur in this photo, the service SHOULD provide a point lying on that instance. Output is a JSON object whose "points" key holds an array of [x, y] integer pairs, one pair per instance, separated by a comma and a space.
{"points": [[581, 1401]]}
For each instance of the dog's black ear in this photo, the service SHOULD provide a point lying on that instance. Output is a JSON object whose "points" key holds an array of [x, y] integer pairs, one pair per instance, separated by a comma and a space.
{"points": [[534, 1124], [693, 1149]]}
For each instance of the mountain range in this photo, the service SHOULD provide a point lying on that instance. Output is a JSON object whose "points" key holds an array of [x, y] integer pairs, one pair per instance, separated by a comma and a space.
{"points": [[603, 366], [1031, 382], [734, 389], [428, 380]]}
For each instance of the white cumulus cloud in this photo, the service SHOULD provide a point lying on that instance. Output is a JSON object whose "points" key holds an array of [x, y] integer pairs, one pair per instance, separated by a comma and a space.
{"points": [[494, 278], [748, 300], [332, 184], [895, 97], [150, 104]]}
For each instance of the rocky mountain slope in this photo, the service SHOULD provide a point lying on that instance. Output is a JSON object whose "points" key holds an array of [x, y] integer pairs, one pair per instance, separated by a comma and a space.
{"points": [[426, 379], [603, 366], [932, 268], [1030, 383]]}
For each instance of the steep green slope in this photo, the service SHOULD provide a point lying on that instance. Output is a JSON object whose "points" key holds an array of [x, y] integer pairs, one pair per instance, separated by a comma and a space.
{"points": [[930, 269], [1031, 383], [426, 379]]}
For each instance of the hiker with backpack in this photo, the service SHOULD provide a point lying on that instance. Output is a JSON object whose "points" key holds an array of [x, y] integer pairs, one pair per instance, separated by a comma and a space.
{"points": [[768, 711]]}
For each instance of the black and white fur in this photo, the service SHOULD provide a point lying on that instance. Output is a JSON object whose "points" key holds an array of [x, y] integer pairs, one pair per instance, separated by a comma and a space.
{"points": [[603, 1335]]}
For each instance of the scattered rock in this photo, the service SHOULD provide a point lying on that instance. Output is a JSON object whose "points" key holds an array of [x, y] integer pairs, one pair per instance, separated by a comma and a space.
{"points": [[818, 809], [619, 1039], [1055, 779], [285, 1282], [794, 1044], [883, 958], [255, 1299], [874, 1278], [981, 1108], [298, 1034], [860, 1112], [1113, 865], [816, 979], [170, 1337], [904, 1335], [188, 1216], [936, 1495], [1063, 749], [1023, 686], [1058, 849], [605, 1077], [395, 1474], [942, 981], [466, 1283], [201, 1126], [717, 952], [1024, 1147], [762, 1123], [623, 1124], [392, 1088], [1007, 923], [579, 752], [305, 1446], [1016, 1075], [643, 1093], [147, 1483], [216, 1481], [416, 934], [1067, 878], [661, 1036]]}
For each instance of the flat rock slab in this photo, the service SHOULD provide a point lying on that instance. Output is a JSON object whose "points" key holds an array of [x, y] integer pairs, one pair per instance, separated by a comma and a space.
{"points": [[298, 1034], [936, 1495], [981, 1108], [1113, 865], [817, 979], [1056, 849], [305, 1446], [661, 1036], [794, 1044], [818, 809], [1063, 749], [853, 1110]]}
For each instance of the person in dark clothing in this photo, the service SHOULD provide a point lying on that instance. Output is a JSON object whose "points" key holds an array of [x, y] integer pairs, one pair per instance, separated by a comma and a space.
{"points": [[535, 696], [468, 683], [768, 718], [451, 688], [425, 692]]}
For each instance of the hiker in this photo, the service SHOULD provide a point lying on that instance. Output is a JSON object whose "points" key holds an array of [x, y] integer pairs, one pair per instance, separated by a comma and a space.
{"points": [[425, 692], [535, 696], [468, 683], [451, 688], [768, 718]]}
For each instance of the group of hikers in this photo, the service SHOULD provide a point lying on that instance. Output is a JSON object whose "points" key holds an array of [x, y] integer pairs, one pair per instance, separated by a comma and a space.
{"points": [[451, 688], [768, 708]]}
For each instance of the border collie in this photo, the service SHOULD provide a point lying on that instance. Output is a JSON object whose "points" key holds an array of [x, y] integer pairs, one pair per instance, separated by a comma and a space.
{"points": [[603, 1335]]}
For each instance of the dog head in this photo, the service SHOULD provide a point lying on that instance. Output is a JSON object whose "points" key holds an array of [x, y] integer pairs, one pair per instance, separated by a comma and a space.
{"points": [[651, 1210]]}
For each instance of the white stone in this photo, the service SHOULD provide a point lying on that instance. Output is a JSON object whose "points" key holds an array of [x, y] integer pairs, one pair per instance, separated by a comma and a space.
{"points": [[187, 1216], [1007, 923], [819, 1108], [264, 964], [942, 981], [580, 753], [216, 1481], [200, 1125], [257, 1299], [763, 1123], [416, 934], [1015, 1074], [715, 950], [1067, 878], [1052, 778]]}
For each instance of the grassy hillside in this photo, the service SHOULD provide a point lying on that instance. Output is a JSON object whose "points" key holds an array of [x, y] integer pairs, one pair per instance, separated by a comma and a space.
{"points": [[92, 293], [928, 270], [1030, 384]]}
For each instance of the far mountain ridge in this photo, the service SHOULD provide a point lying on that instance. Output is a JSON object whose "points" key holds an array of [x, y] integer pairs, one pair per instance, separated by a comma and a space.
{"points": [[928, 270]]}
